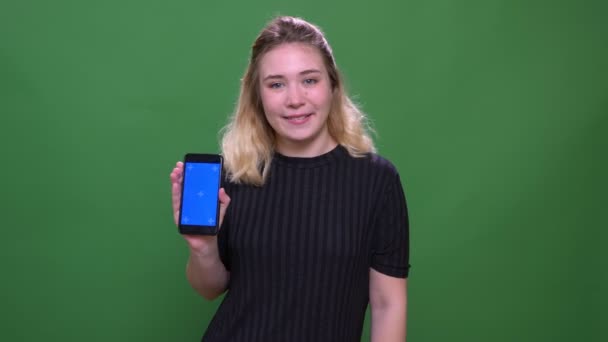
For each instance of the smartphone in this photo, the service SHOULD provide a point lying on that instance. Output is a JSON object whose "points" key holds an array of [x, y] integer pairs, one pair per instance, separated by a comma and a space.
{"points": [[200, 205]]}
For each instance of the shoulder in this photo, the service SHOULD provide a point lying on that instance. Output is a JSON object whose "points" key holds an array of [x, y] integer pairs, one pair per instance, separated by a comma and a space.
{"points": [[371, 170], [376, 164], [382, 164]]}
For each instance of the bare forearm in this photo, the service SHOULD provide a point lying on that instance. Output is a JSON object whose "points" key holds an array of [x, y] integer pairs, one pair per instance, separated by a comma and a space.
{"points": [[206, 273], [388, 323], [388, 303]]}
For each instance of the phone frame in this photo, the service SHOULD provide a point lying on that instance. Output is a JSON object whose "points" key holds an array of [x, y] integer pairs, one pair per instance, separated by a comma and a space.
{"points": [[197, 229]]}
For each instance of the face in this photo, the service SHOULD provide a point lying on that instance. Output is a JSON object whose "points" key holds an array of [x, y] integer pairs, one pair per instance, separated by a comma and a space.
{"points": [[296, 95]]}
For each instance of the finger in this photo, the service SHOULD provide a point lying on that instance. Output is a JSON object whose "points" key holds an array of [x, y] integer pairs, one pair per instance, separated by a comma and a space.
{"points": [[176, 193], [176, 190], [176, 201], [224, 202], [224, 198], [176, 175], [178, 169]]}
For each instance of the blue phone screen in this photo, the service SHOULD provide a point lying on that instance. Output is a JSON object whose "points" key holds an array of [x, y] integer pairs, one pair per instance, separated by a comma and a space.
{"points": [[200, 195]]}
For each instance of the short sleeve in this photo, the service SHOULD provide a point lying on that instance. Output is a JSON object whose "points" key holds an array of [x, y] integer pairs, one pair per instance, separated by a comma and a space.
{"points": [[390, 244]]}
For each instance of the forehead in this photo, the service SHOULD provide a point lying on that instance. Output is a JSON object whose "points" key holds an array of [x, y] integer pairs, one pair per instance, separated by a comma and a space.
{"points": [[290, 59]]}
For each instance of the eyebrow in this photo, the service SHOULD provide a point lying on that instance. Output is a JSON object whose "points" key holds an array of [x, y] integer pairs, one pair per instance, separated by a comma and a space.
{"points": [[305, 72]]}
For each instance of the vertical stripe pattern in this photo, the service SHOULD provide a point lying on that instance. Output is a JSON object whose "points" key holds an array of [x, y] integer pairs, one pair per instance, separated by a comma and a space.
{"points": [[299, 249]]}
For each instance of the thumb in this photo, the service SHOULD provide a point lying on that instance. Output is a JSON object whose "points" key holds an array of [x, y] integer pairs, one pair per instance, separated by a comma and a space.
{"points": [[224, 202]]}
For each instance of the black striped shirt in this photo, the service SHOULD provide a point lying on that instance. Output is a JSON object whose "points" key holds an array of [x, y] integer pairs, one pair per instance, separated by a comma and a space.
{"points": [[299, 249]]}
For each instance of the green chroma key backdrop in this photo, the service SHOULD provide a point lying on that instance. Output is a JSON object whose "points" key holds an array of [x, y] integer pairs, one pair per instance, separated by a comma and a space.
{"points": [[494, 111]]}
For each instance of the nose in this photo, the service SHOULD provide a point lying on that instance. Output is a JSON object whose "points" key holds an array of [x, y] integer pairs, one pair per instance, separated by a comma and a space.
{"points": [[295, 97]]}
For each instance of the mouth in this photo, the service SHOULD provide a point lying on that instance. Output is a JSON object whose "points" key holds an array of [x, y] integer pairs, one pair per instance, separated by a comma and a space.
{"points": [[298, 118]]}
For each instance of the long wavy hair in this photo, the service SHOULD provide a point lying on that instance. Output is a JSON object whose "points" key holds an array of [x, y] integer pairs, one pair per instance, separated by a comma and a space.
{"points": [[248, 141]]}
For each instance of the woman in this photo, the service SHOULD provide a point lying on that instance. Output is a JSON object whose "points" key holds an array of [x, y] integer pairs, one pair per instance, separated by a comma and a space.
{"points": [[314, 223]]}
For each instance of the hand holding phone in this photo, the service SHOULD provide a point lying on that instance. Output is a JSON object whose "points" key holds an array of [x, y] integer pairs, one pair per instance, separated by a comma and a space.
{"points": [[199, 204]]}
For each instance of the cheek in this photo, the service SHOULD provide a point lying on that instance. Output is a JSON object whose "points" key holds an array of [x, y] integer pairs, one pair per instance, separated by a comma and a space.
{"points": [[324, 99], [271, 111], [269, 102]]}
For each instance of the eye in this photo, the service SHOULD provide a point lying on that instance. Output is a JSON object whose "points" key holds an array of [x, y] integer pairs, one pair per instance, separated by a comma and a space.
{"points": [[310, 81], [275, 85]]}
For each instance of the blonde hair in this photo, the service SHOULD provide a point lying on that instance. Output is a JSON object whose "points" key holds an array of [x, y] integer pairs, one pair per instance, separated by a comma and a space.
{"points": [[248, 142]]}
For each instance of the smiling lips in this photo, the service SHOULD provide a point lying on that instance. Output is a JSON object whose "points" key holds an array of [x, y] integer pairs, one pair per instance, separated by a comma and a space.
{"points": [[298, 119]]}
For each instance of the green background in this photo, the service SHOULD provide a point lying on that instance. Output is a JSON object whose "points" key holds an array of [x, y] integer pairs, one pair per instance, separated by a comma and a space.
{"points": [[494, 111]]}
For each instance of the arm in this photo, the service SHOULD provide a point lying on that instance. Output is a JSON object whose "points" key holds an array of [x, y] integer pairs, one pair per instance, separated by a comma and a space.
{"points": [[205, 271], [388, 302]]}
